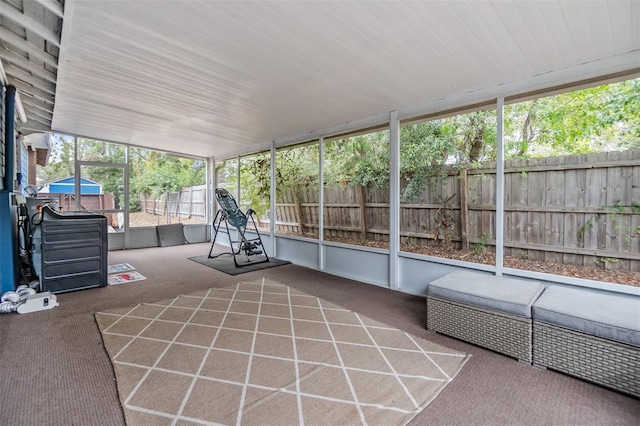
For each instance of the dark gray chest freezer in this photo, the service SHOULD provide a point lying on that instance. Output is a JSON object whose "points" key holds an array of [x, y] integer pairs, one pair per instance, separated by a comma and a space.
{"points": [[74, 250]]}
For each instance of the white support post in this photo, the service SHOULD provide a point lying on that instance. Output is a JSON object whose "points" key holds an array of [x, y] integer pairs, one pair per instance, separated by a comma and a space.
{"points": [[238, 179], [78, 178], [127, 240], [211, 185], [272, 200], [320, 204], [500, 187], [394, 200], [214, 200]]}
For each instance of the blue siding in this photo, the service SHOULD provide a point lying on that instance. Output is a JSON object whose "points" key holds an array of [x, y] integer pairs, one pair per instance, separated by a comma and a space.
{"points": [[8, 214], [2, 138], [68, 186]]}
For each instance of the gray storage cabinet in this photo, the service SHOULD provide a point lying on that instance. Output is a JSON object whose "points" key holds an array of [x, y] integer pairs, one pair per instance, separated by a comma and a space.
{"points": [[74, 250]]}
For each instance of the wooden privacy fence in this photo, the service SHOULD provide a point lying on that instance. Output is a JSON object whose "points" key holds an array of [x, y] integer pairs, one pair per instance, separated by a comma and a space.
{"points": [[577, 210], [189, 202]]}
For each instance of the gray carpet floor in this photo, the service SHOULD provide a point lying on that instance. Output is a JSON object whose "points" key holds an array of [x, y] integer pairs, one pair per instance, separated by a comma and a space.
{"points": [[55, 370]]}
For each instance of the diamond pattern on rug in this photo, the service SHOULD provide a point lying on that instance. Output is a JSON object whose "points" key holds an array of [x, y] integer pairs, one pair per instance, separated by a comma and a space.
{"points": [[262, 352]]}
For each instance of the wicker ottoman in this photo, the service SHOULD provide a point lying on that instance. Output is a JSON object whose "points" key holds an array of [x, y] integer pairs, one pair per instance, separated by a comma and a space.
{"points": [[488, 311], [590, 335]]}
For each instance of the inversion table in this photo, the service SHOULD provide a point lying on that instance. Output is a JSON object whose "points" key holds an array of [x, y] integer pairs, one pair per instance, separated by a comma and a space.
{"points": [[230, 214]]}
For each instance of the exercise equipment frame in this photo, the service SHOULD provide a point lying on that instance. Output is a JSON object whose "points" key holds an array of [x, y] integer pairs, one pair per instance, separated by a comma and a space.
{"points": [[230, 214]]}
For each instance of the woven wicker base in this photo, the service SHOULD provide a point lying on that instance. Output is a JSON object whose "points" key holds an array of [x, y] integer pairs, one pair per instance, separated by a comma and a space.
{"points": [[605, 362], [500, 332]]}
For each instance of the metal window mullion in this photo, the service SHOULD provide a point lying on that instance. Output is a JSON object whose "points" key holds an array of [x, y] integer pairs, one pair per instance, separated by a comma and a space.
{"points": [[211, 184], [238, 180], [78, 177], [394, 200], [127, 241], [321, 204], [500, 187], [272, 199]]}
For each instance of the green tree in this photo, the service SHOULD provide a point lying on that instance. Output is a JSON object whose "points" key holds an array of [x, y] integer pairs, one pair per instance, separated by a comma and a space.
{"points": [[155, 173], [61, 161], [425, 148], [296, 167], [596, 119], [255, 182], [94, 150], [473, 136], [358, 160]]}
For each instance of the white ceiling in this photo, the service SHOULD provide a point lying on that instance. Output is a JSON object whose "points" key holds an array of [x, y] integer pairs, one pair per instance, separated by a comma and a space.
{"points": [[210, 78]]}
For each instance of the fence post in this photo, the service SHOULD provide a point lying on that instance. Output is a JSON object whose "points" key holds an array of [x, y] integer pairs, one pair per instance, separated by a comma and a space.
{"points": [[297, 209], [363, 213], [464, 209]]}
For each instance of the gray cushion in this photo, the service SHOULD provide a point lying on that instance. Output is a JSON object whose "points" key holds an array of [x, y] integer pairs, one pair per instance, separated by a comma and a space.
{"points": [[610, 316], [487, 291]]}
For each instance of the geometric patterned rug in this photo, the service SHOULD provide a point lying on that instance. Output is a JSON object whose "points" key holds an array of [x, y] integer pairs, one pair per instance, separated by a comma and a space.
{"points": [[263, 353]]}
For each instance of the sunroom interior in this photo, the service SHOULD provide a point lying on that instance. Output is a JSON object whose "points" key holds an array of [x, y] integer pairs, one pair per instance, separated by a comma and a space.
{"points": [[220, 93], [311, 114]]}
